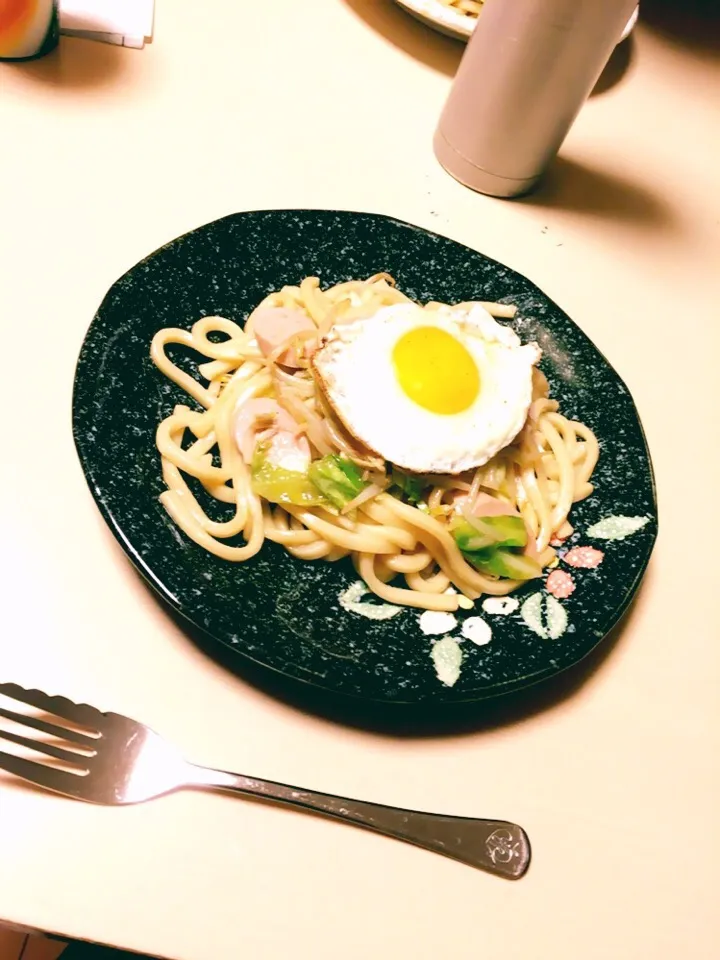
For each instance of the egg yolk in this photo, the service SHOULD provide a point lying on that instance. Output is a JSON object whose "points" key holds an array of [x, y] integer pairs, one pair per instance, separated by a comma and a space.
{"points": [[435, 370]]}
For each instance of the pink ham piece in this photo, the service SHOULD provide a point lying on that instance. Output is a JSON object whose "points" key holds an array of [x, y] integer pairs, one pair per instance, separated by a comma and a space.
{"points": [[487, 506], [274, 326], [288, 448]]}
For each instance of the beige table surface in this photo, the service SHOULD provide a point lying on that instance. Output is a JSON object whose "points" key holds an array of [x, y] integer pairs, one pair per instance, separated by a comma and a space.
{"points": [[615, 770]]}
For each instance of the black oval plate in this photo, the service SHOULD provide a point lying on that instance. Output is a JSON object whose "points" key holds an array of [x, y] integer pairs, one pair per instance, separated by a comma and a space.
{"points": [[284, 613]]}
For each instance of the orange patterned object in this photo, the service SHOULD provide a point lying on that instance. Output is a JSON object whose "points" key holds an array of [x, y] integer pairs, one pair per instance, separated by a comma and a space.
{"points": [[28, 28]]}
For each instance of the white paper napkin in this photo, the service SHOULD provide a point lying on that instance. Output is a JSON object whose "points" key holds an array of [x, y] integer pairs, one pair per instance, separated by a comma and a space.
{"points": [[125, 22]]}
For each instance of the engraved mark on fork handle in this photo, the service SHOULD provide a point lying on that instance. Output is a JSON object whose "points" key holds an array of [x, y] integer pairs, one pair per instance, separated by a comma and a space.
{"points": [[503, 846]]}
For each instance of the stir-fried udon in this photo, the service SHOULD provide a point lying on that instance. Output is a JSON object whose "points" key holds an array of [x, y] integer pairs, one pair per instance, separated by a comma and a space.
{"points": [[419, 441]]}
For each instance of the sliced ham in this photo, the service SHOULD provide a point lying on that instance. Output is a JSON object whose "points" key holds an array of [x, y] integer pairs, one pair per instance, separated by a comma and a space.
{"points": [[289, 449], [264, 419], [254, 417], [274, 326], [487, 506]]}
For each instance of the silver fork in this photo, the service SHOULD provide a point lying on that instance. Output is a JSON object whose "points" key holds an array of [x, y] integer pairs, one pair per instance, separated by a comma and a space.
{"points": [[114, 760]]}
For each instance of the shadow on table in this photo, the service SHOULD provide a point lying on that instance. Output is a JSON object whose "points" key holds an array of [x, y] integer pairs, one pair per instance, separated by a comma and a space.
{"points": [[694, 24], [75, 65], [617, 67], [570, 185], [410, 720]]}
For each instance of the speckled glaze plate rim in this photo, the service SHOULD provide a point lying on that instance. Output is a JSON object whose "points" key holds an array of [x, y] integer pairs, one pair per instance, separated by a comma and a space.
{"points": [[443, 695], [460, 26]]}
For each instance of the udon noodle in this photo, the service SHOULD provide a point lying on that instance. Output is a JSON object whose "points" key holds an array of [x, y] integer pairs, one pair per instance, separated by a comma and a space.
{"points": [[542, 473]]}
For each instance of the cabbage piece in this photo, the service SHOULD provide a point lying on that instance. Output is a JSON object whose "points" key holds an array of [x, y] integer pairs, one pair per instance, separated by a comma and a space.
{"points": [[482, 532], [338, 479], [504, 562], [494, 546], [278, 485], [410, 486]]}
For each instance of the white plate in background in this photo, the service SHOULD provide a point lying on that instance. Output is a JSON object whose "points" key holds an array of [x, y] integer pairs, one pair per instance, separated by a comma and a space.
{"points": [[459, 25]]}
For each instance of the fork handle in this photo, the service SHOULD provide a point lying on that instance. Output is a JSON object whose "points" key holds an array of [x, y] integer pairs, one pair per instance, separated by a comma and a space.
{"points": [[497, 846]]}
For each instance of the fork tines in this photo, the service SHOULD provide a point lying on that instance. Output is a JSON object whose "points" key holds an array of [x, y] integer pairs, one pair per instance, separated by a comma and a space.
{"points": [[79, 714], [48, 705]]}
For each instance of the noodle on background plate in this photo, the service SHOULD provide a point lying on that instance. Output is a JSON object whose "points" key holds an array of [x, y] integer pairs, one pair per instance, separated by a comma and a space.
{"points": [[542, 473], [472, 8]]}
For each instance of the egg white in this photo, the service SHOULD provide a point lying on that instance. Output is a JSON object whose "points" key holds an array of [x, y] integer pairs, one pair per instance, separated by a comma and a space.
{"points": [[355, 367]]}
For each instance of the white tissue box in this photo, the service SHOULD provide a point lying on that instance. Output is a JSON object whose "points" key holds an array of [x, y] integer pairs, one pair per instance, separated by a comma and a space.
{"points": [[125, 22]]}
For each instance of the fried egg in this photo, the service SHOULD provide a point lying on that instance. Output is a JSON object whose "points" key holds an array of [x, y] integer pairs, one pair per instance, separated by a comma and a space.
{"points": [[430, 390]]}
